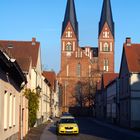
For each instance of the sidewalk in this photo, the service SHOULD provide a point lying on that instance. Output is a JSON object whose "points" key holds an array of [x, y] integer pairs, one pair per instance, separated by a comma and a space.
{"points": [[35, 132], [117, 128]]}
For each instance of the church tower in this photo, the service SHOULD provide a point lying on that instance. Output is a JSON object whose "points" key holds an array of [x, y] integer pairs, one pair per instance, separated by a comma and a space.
{"points": [[69, 46], [106, 39], [83, 66], [69, 36]]}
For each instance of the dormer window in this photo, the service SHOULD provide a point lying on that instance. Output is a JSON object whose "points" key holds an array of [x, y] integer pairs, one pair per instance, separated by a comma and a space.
{"points": [[10, 45]]}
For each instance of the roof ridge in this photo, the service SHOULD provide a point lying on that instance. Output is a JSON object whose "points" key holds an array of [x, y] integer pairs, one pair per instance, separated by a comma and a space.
{"points": [[18, 41]]}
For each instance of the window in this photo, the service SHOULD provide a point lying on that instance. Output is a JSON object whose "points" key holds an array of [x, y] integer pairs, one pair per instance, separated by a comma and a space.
{"points": [[89, 70], [68, 47], [5, 109], [79, 54], [79, 70], [10, 110], [106, 64], [105, 34], [101, 46], [14, 111], [106, 47], [68, 34], [67, 70], [10, 45]]}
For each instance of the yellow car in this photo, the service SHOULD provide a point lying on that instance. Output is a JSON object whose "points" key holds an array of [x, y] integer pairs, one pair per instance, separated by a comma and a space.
{"points": [[67, 125]]}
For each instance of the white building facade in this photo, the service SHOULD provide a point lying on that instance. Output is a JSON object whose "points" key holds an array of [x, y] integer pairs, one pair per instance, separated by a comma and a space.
{"points": [[11, 80], [130, 85]]}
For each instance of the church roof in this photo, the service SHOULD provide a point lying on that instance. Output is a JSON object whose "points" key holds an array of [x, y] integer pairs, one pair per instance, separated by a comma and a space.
{"points": [[94, 50], [106, 16], [70, 16]]}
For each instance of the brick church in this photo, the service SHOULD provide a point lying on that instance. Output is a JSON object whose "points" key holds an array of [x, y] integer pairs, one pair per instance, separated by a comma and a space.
{"points": [[80, 64]]}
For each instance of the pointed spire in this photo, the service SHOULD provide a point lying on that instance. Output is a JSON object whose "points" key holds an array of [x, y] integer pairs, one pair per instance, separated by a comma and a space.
{"points": [[70, 16], [106, 16]]}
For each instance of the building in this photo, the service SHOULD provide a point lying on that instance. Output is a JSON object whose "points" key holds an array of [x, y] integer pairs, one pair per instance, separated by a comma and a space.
{"points": [[84, 63], [112, 93], [54, 93], [45, 100], [27, 54], [130, 85], [98, 103], [101, 97], [12, 80]]}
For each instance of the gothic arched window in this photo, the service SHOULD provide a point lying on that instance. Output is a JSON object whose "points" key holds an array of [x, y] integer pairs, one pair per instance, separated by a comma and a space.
{"points": [[106, 64], [68, 47], [106, 47], [78, 69]]}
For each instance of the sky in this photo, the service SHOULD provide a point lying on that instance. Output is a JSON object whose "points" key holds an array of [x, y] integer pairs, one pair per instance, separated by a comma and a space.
{"points": [[23, 19]]}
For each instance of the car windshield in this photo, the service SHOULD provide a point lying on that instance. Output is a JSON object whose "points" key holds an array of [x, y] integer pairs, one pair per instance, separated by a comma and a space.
{"points": [[66, 114], [67, 121]]}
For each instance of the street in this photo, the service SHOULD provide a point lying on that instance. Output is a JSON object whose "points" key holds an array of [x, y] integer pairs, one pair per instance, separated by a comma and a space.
{"points": [[91, 130]]}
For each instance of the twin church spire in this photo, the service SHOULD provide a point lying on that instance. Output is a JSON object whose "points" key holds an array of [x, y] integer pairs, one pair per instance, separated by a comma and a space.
{"points": [[79, 63], [70, 16], [106, 16]]}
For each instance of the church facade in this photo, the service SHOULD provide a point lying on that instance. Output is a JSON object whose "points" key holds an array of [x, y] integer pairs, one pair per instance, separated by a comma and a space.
{"points": [[84, 64]]}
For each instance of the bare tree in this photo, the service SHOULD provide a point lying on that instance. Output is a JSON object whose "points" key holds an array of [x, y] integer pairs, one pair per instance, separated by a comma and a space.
{"points": [[83, 93]]}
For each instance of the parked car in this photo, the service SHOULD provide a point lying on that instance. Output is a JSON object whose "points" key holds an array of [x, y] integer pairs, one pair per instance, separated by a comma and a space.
{"points": [[67, 125]]}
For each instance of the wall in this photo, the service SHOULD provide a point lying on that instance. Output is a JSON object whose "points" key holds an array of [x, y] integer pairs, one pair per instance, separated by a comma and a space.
{"points": [[11, 123], [135, 100], [111, 104], [124, 93]]}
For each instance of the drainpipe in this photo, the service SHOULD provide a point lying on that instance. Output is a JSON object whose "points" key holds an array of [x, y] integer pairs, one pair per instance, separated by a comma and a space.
{"points": [[21, 119], [21, 112], [35, 88], [130, 76]]}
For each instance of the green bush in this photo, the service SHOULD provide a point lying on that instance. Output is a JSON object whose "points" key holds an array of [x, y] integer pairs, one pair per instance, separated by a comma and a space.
{"points": [[33, 105]]}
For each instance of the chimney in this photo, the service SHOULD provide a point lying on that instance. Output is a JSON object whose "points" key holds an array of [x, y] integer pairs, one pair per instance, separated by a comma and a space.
{"points": [[128, 41], [33, 41]]}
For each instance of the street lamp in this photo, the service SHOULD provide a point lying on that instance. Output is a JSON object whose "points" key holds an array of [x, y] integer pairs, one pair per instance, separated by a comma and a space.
{"points": [[38, 89]]}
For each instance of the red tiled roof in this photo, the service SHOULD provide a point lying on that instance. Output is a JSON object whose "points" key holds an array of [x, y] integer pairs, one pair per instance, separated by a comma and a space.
{"points": [[109, 77], [50, 76], [22, 49], [133, 57], [24, 63]]}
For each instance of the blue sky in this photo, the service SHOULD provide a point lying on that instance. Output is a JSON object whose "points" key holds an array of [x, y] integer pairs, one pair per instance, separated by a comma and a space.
{"points": [[24, 19]]}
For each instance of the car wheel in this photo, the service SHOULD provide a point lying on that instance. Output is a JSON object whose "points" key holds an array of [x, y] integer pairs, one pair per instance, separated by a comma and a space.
{"points": [[58, 134]]}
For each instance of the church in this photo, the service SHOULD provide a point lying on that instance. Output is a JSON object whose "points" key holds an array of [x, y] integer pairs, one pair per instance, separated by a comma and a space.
{"points": [[80, 65]]}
